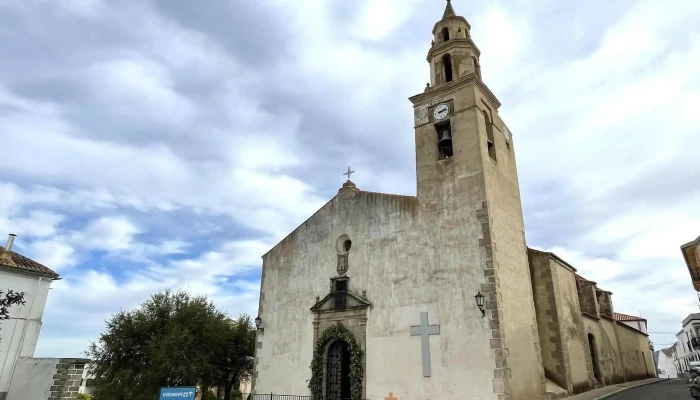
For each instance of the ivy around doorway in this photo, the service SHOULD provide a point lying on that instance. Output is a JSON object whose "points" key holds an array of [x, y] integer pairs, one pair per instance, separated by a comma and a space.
{"points": [[337, 332]]}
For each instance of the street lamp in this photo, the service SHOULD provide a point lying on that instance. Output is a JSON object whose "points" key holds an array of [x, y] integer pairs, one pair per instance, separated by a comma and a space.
{"points": [[480, 303], [258, 321]]}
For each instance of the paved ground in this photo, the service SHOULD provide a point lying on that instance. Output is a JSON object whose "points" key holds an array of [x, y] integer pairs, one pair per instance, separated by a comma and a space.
{"points": [[673, 389]]}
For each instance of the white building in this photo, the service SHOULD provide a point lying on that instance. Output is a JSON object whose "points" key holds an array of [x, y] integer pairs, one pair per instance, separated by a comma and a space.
{"points": [[632, 321], [688, 346], [666, 364], [21, 332]]}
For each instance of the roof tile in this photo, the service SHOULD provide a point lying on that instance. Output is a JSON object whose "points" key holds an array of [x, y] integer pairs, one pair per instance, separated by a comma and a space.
{"points": [[625, 317], [27, 264]]}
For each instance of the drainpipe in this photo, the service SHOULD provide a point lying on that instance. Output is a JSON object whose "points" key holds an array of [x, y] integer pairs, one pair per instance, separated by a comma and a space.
{"points": [[24, 332]]}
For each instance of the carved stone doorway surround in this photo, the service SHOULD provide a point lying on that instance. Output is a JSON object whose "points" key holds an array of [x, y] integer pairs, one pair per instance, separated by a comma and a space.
{"points": [[346, 308]]}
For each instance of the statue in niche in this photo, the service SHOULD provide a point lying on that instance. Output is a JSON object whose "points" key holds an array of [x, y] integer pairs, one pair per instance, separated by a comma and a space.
{"points": [[342, 267]]}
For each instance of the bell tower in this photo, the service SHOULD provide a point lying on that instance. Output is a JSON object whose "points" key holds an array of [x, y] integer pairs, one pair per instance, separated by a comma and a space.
{"points": [[453, 53], [469, 197], [458, 131]]}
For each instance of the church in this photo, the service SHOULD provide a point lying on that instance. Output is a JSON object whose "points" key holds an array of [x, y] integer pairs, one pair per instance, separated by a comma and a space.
{"points": [[437, 296]]}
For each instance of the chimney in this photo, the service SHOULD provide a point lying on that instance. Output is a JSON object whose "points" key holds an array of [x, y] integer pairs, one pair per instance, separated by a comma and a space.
{"points": [[6, 255]]}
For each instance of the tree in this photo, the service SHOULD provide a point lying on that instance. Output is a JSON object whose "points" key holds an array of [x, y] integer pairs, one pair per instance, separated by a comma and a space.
{"points": [[173, 339], [7, 300], [235, 362]]}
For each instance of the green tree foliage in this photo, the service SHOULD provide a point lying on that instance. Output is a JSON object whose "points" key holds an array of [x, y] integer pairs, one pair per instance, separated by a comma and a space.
{"points": [[236, 363], [82, 396], [7, 300], [173, 339]]}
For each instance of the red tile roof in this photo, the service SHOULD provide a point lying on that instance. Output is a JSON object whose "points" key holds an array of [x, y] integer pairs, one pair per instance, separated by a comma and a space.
{"points": [[625, 317], [27, 264]]}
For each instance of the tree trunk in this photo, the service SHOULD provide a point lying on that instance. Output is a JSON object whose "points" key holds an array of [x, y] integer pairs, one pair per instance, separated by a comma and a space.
{"points": [[227, 391]]}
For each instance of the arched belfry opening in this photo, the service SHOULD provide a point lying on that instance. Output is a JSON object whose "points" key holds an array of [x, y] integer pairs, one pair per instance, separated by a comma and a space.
{"points": [[447, 65], [445, 34]]}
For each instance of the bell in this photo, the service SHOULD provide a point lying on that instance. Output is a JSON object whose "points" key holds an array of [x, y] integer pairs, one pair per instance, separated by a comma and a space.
{"points": [[445, 138]]}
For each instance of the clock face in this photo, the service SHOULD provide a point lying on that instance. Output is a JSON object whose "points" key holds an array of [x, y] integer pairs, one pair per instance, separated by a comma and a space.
{"points": [[441, 111]]}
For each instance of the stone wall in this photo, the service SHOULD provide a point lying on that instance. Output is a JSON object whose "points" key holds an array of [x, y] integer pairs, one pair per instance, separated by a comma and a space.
{"points": [[636, 356], [574, 345], [607, 350], [548, 321], [46, 378], [69, 372], [587, 296], [604, 303]]}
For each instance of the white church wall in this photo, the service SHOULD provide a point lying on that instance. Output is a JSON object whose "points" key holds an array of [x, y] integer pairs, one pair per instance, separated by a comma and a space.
{"points": [[393, 257], [519, 324]]}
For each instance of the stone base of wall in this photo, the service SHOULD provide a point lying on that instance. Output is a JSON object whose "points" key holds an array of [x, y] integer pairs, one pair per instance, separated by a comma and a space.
{"points": [[46, 379], [69, 372]]}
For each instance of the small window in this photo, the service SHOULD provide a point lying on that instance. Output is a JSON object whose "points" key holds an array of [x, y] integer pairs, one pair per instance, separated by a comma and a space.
{"points": [[341, 286], [447, 65], [445, 34], [490, 142]]}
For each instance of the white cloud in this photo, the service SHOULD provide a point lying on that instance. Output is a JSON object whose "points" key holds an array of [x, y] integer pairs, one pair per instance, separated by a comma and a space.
{"points": [[54, 253], [503, 38], [139, 87], [378, 18], [107, 234], [171, 119]]}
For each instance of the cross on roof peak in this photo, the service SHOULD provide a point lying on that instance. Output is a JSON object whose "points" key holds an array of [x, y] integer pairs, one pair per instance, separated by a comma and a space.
{"points": [[349, 173]]}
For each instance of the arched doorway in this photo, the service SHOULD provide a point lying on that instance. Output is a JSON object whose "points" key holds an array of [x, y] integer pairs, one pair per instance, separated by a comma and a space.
{"points": [[338, 371], [337, 365]]}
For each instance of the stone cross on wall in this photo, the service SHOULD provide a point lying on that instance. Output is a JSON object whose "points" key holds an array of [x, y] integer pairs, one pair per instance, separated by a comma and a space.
{"points": [[424, 330]]}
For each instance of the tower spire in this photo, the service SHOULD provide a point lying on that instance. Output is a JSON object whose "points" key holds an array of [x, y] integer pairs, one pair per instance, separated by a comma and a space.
{"points": [[449, 11]]}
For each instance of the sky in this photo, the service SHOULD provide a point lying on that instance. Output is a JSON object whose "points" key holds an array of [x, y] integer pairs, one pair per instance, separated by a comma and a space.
{"points": [[169, 144]]}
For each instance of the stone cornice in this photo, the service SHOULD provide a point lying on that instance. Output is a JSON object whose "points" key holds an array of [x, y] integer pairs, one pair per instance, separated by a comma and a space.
{"points": [[454, 85], [456, 41]]}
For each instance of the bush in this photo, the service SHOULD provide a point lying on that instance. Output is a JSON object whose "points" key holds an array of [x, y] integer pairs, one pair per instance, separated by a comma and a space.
{"points": [[209, 396]]}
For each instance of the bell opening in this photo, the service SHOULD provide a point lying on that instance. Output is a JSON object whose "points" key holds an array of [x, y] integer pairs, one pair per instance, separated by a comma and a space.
{"points": [[444, 141]]}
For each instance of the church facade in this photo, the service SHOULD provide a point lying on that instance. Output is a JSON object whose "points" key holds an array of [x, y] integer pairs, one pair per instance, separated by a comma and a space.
{"points": [[435, 296]]}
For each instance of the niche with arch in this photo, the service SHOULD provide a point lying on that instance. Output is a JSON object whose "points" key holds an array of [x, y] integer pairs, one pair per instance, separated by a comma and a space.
{"points": [[343, 244]]}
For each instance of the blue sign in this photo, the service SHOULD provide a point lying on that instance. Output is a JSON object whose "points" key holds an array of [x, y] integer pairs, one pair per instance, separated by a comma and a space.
{"points": [[178, 393]]}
